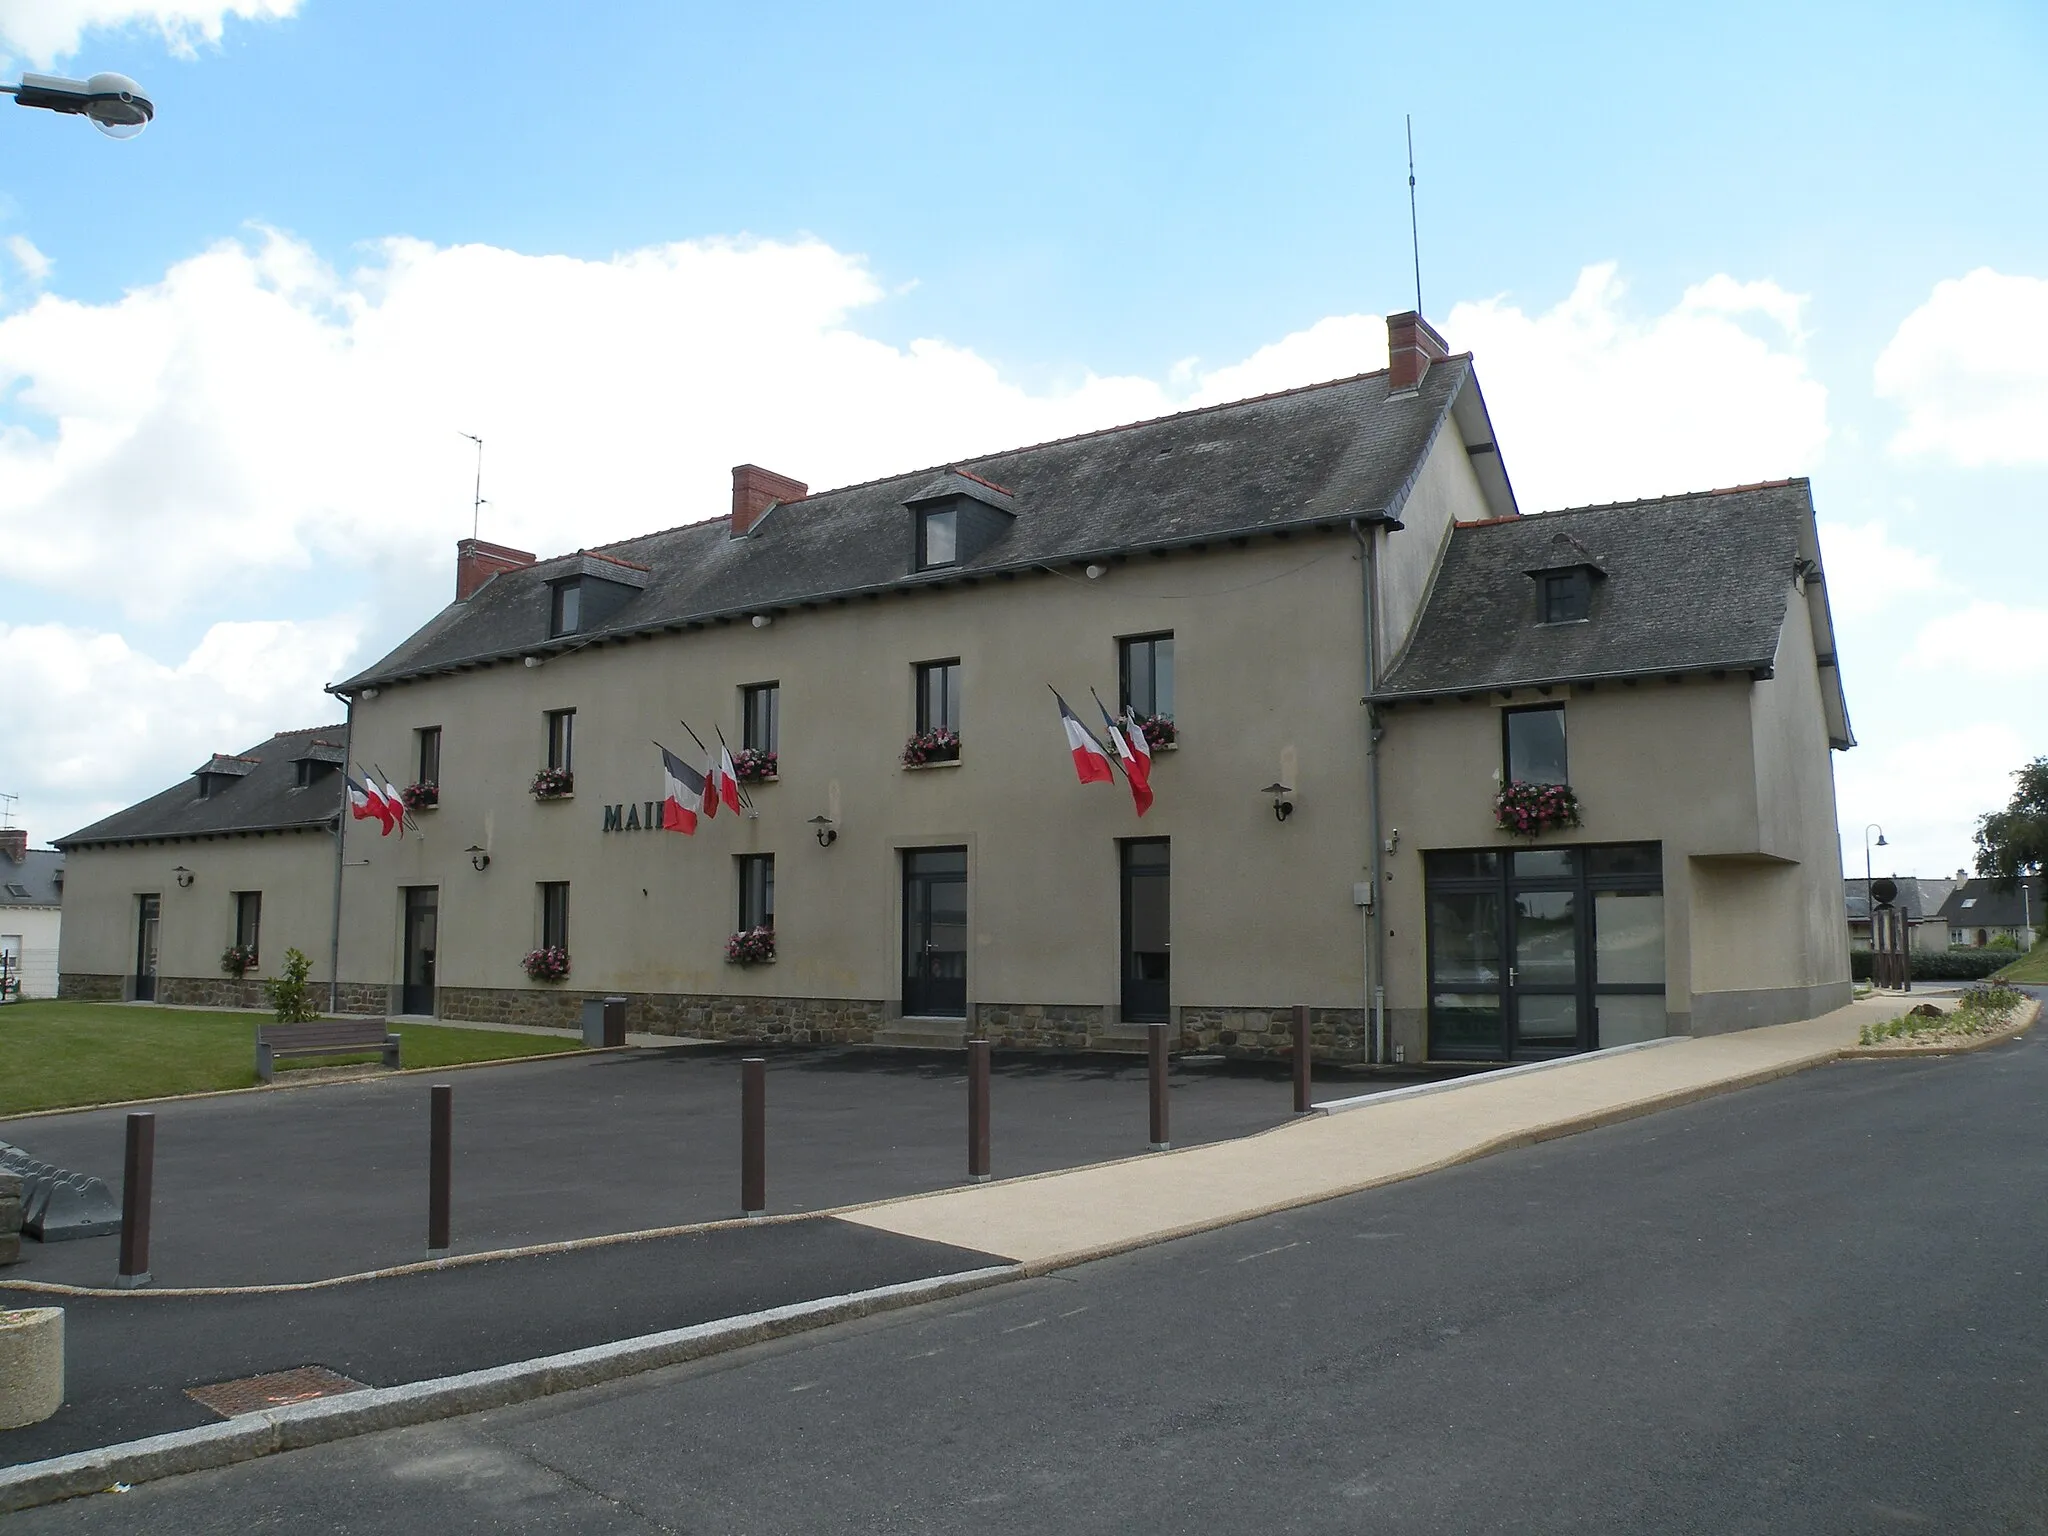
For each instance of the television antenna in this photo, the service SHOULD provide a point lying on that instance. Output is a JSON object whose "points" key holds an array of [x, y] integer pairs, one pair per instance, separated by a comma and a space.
{"points": [[7, 805], [1414, 233], [476, 508]]}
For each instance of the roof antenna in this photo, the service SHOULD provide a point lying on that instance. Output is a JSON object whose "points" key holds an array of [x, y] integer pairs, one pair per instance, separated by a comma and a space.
{"points": [[7, 805], [476, 509], [1414, 236]]}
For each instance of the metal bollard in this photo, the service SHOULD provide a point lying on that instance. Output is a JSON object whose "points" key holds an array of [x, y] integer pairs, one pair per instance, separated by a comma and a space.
{"points": [[1155, 1051], [977, 1111], [754, 1136], [440, 1166], [138, 1178], [1301, 1060]]}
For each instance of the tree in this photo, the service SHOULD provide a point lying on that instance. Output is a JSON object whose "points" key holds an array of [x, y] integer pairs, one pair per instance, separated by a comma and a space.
{"points": [[290, 998], [2014, 842]]}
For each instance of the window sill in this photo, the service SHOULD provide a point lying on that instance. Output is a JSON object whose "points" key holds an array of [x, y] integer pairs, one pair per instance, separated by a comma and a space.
{"points": [[951, 762], [421, 810], [769, 961], [766, 779], [551, 799]]}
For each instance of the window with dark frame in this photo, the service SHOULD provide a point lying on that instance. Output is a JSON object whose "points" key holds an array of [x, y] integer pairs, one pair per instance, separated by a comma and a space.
{"points": [[249, 920], [938, 538], [1532, 745], [565, 607], [757, 890], [429, 755], [938, 696], [1145, 674], [1565, 596], [761, 717], [554, 914], [562, 739]]}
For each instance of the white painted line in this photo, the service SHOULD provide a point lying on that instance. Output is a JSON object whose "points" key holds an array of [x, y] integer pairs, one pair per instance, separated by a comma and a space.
{"points": [[1393, 1095]]}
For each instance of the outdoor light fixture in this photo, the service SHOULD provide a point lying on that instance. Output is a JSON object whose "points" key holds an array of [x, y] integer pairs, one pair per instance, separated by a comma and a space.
{"points": [[1097, 572], [369, 693], [533, 661], [762, 620], [114, 103], [1282, 806], [184, 876], [827, 833], [478, 859]]}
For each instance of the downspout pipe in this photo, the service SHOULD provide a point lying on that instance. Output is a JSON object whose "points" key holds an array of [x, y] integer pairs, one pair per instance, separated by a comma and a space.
{"points": [[1375, 999], [341, 820]]}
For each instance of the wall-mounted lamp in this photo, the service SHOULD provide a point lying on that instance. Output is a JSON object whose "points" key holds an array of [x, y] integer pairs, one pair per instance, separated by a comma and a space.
{"points": [[762, 620], [369, 693], [1393, 839], [1097, 572], [478, 859], [184, 876], [1282, 806], [827, 833], [533, 661]]}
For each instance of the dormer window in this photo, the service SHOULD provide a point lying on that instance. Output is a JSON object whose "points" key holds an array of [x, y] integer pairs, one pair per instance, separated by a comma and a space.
{"points": [[1566, 596], [565, 607], [938, 538]]}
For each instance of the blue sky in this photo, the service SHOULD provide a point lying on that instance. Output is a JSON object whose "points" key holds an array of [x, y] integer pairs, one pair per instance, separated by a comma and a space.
{"points": [[992, 225]]}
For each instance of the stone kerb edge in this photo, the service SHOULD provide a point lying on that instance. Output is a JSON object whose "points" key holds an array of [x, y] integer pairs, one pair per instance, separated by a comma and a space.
{"points": [[337, 1418]]}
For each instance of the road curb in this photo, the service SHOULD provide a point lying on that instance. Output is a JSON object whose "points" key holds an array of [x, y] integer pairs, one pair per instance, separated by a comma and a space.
{"points": [[359, 1413], [1942, 1048]]}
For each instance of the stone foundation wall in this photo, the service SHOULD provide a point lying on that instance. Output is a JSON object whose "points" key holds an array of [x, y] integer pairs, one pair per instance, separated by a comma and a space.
{"points": [[779, 1020], [1039, 1026], [371, 997], [1335, 1034], [81, 987], [210, 992]]}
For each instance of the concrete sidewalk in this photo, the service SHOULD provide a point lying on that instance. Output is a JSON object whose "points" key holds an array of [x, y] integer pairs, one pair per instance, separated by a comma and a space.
{"points": [[1063, 1218]]}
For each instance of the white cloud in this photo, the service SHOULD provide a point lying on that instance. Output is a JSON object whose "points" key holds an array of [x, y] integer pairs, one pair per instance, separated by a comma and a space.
{"points": [[1926, 791], [1970, 370], [1869, 576], [44, 31], [1593, 403], [1333, 348], [97, 724], [1992, 641], [34, 265]]}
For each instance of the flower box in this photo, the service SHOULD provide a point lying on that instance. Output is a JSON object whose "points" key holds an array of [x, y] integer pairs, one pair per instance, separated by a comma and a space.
{"points": [[420, 797], [1529, 810], [929, 747], [554, 784], [751, 946], [549, 964], [237, 960], [754, 767], [1161, 734]]}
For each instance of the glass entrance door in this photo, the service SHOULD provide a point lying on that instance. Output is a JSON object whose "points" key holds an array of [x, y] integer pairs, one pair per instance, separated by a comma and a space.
{"points": [[935, 933], [422, 935], [149, 912], [1543, 975], [1147, 960]]}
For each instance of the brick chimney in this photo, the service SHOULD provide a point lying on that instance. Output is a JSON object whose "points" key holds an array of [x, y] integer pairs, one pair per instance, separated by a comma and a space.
{"points": [[755, 490], [477, 562], [1412, 345], [14, 844]]}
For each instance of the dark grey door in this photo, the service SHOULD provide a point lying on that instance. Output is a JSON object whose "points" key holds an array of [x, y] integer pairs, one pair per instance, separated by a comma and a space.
{"points": [[935, 933], [149, 913], [1546, 998], [1147, 959], [422, 935]]}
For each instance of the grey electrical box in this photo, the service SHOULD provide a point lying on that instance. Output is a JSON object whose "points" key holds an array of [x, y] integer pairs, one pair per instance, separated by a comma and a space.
{"points": [[1361, 895]]}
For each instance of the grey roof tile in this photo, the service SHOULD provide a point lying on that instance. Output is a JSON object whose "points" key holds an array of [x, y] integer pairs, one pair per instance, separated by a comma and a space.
{"points": [[265, 798], [1304, 456], [37, 881], [1981, 904]]}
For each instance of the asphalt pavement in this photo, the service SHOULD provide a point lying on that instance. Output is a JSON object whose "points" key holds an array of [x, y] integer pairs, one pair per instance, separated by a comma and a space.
{"points": [[311, 1182], [1818, 1305]]}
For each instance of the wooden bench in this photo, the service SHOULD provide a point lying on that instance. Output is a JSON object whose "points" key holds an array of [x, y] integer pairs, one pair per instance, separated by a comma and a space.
{"points": [[322, 1037]]}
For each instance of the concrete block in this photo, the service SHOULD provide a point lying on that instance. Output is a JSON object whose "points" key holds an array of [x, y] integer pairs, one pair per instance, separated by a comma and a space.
{"points": [[10, 1248], [31, 1365]]}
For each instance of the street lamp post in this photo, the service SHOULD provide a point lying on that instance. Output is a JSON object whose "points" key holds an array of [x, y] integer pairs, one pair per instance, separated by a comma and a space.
{"points": [[1869, 906], [114, 104]]}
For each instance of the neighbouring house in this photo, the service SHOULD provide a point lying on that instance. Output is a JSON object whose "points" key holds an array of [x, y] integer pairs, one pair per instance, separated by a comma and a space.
{"points": [[238, 856], [1919, 899], [1468, 784], [31, 916], [1977, 912]]}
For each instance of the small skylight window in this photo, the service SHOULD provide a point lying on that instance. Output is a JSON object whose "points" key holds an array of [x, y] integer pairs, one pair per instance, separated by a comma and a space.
{"points": [[18, 892], [1969, 901]]}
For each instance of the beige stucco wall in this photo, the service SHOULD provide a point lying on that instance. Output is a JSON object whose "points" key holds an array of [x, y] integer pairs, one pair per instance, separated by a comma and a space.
{"points": [[294, 870], [1446, 491], [1268, 677]]}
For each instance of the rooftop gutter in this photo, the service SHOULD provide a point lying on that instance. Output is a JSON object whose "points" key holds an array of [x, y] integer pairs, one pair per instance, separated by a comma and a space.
{"points": [[1759, 671]]}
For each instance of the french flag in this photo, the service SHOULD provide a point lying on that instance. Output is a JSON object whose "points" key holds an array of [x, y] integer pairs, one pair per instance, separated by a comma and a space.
{"points": [[708, 782], [1091, 763], [682, 789], [728, 779], [1135, 754], [358, 799], [384, 811]]}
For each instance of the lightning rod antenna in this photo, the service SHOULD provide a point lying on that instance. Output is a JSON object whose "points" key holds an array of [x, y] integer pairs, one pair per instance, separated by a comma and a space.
{"points": [[476, 506], [1414, 233]]}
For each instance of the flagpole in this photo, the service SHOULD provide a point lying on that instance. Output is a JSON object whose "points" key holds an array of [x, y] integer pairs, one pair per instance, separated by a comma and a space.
{"points": [[746, 799]]}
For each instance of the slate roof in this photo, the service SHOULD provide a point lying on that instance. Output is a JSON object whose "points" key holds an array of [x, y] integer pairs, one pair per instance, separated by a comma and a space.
{"points": [[1692, 583], [40, 875], [1995, 908], [1302, 458], [264, 799], [1921, 899]]}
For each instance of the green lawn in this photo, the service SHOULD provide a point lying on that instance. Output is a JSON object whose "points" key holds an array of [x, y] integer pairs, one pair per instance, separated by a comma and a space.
{"points": [[2032, 967], [54, 1055]]}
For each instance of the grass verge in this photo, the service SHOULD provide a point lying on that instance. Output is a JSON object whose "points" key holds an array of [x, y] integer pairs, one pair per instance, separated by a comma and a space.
{"points": [[57, 1055], [1984, 1009], [2031, 968]]}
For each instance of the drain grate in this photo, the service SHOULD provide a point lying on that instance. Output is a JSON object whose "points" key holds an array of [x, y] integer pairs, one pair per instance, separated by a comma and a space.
{"points": [[253, 1394]]}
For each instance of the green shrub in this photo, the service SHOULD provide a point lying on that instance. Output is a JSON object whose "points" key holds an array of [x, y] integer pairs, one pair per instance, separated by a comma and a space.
{"points": [[290, 998], [1939, 965]]}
